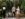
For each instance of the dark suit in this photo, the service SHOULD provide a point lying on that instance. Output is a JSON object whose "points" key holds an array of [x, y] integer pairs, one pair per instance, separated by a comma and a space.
{"points": [[4, 12]]}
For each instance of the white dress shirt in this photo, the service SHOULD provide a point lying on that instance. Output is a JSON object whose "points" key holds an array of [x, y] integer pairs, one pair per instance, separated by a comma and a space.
{"points": [[4, 8], [13, 9]]}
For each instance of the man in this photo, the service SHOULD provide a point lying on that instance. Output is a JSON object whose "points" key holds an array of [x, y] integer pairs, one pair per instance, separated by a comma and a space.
{"points": [[13, 10], [4, 5], [4, 11], [18, 12]]}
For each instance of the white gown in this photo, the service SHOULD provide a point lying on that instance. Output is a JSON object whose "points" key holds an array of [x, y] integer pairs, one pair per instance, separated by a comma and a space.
{"points": [[18, 10]]}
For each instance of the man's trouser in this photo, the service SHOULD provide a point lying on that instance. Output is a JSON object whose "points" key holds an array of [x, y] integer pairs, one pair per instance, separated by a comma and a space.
{"points": [[13, 14], [4, 11]]}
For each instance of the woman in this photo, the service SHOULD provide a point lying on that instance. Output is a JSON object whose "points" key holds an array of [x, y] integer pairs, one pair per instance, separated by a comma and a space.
{"points": [[18, 12]]}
